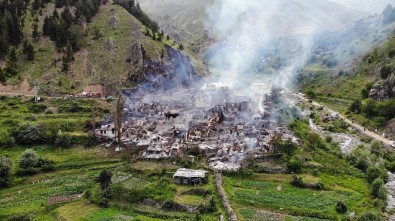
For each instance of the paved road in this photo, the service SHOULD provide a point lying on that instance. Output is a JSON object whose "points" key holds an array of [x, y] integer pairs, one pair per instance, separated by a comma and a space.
{"points": [[360, 128]]}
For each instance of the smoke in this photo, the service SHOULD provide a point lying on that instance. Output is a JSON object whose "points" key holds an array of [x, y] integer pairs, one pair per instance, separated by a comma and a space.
{"points": [[369, 6], [267, 41]]}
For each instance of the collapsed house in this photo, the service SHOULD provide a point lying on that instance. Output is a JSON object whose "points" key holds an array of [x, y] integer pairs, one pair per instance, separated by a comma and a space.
{"points": [[190, 177], [222, 124]]}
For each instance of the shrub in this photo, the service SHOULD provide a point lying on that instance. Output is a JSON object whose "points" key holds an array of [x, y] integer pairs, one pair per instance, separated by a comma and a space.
{"points": [[391, 166], [373, 173], [29, 134], [341, 207], [5, 171], [37, 108], [63, 140], [382, 193], [20, 217], [295, 165], [328, 139], [368, 216], [319, 186], [29, 158], [297, 181]]}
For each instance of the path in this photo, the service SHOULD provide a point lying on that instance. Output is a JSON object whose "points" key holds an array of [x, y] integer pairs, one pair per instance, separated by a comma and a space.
{"points": [[225, 201], [360, 128]]}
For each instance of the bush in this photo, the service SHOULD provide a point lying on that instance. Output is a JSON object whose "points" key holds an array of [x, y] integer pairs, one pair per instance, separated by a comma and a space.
{"points": [[37, 108], [391, 166], [63, 140], [369, 216], [295, 165], [5, 171], [20, 217], [29, 134], [341, 207], [328, 139], [379, 204], [373, 173], [319, 186], [297, 181], [29, 158]]}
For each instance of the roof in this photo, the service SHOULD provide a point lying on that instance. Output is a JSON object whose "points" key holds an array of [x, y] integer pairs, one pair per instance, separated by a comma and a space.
{"points": [[183, 172]]}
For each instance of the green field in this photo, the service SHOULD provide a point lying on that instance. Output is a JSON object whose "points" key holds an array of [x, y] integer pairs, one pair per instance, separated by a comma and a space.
{"points": [[262, 193]]}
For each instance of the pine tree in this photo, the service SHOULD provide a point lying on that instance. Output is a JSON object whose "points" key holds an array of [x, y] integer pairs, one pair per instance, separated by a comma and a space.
{"points": [[14, 30], [11, 67], [3, 46], [67, 58], [35, 33], [47, 26], [36, 4], [2, 76], [28, 50]]}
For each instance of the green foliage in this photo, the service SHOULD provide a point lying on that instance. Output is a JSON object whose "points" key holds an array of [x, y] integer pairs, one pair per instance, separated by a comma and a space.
{"points": [[356, 106], [385, 72], [29, 158], [295, 165], [29, 134], [5, 171], [63, 140], [37, 108], [369, 216], [376, 185], [373, 173], [341, 207], [104, 179], [285, 147], [136, 11], [297, 181]]}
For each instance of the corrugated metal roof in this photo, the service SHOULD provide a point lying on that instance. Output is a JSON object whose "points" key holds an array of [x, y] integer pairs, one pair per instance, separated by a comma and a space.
{"points": [[188, 173]]}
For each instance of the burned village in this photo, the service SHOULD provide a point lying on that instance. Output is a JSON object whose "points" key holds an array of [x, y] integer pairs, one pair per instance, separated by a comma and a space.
{"points": [[214, 120]]}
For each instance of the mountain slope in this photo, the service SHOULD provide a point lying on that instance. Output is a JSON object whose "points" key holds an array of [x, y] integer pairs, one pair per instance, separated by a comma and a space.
{"points": [[110, 54]]}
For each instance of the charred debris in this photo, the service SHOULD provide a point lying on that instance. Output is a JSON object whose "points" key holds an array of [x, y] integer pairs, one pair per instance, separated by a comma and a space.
{"points": [[221, 123]]}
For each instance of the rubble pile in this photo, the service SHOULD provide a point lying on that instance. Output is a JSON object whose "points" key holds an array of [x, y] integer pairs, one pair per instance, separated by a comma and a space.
{"points": [[224, 125]]}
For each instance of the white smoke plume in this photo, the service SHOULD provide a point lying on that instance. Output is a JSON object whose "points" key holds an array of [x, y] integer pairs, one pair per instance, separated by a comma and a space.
{"points": [[245, 28]]}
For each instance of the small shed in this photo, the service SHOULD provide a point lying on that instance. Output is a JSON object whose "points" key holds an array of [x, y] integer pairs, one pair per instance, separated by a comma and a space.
{"points": [[190, 177]]}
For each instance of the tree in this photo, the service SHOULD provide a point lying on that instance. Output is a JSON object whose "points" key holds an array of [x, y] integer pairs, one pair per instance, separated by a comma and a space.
{"points": [[3, 46], [118, 116], [67, 57], [11, 68], [3, 77], [356, 106], [28, 50], [385, 72], [287, 148], [104, 180], [376, 185], [28, 134], [373, 173], [35, 33], [5, 171], [181, 47], [29, 158]]}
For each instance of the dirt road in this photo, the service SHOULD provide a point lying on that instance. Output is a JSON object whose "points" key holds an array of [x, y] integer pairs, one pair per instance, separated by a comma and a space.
{"points": [[358, 127]]}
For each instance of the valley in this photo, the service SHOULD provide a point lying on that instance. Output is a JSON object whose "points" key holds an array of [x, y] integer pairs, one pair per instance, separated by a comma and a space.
{"points": [[197, 110]]}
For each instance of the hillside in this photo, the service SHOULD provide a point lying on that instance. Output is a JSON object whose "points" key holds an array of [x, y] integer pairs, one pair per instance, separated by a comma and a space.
{"points": [[109, 54], [364, 90], [192, 21]]}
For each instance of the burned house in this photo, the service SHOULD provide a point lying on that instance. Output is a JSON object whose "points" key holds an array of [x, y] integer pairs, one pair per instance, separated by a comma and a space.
{"points": [[190, 177], [225, 126]]}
